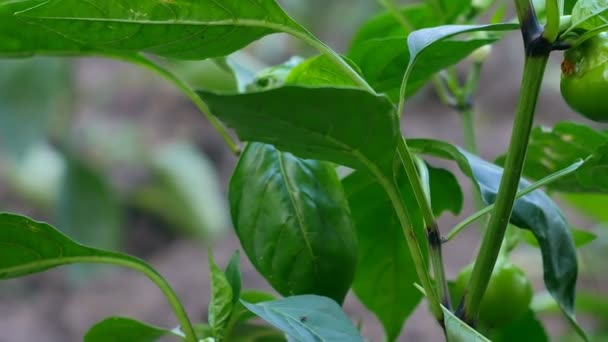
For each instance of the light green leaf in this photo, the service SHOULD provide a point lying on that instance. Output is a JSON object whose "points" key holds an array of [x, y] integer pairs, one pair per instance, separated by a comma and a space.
{"points": [[592, 205], [309, 122], [293, 221], [320, 71], [185, 191], [122, 329], [185, 30], [552, 149], [589, 14], [221, 303], [459, 331], [385, 277], [308, 318]]}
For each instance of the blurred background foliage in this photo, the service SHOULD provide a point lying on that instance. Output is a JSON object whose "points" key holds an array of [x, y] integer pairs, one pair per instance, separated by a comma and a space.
{"points": [[94, 148]]}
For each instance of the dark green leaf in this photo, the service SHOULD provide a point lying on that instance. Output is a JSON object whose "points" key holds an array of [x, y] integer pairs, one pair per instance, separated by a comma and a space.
{"points": [[310, 122], [256, 333], [221, 304], [535, 212], [293, 221], [24, 121], [308, 318], [526, 328], [233, 275], [446, 194], [122, 329], [185, 30], [568, 6], [459, 331], [31, 247], [553, 149], [385, 277]]}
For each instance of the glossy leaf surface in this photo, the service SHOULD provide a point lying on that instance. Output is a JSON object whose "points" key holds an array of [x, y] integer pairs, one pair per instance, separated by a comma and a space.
{"points": [[293, 221]]}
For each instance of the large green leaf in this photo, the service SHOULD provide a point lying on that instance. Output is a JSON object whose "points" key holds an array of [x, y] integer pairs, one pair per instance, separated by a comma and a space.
{"points": [[535, 212], [553, 149], [348, 126], [293, 221], [122, 329], [178, 29], [385, 277], [88, 209], [308, 318]]}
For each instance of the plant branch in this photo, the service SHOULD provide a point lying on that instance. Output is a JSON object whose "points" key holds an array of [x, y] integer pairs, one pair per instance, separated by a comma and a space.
{"points": [[533, 74], [553, 17], [431, 228], [537, 54], [185, 88], [536, 185]]}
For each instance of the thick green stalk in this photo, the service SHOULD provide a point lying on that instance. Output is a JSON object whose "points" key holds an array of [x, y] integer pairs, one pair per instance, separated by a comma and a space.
{"points": [[533, 74]]}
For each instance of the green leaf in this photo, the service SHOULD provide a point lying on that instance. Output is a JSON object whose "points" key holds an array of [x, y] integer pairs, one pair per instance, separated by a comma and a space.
{"points": [[24, 122], [240, 313], [88, 208], [552, 149], [446, 194], [580, 237], [382, 48], [309, 122], [293, 221], [589, 14], [256, 333], [320, 71], [185, 30], [452, 9], [459, 331], [185, 191], [526, 328], [308, 318], [592, 205], [221, 304], [385, 277], [274, 76], [535, 212], [122, 329], [431, 50], [233, 275], [592, 174]]}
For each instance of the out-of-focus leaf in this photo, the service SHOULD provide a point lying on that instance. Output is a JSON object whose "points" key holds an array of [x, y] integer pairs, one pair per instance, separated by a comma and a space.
{"points": [[535, 212], [88, 208], [122, 329], [592, 205], [32, 91], [385, 277], [293, 221], [212, 74], [590, 14], [185, 191], [581, 237], [446, 194], [308, 318]]}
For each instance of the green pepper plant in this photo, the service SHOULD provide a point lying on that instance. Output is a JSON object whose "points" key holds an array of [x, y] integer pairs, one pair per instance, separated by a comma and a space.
{"points": [[315, 234]]}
